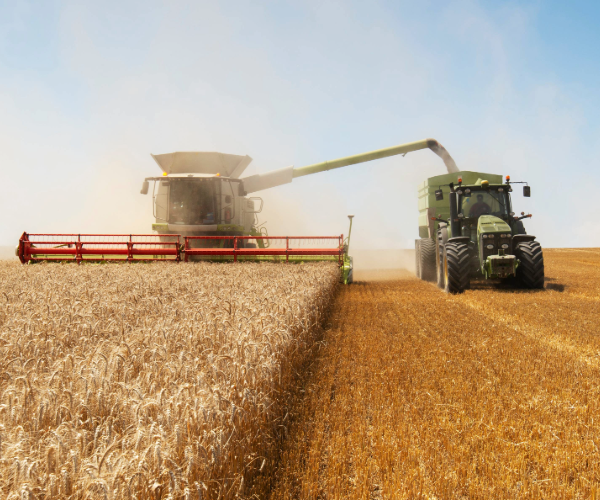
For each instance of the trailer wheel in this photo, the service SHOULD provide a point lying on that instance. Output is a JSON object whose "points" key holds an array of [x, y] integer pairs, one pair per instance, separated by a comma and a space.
{"points": [[531, 269], [456, 267], [427, 259], [418, 258]]}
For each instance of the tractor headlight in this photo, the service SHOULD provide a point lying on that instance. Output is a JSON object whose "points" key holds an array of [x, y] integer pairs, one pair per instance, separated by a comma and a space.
{"points": [[490, 247], [505, 246], [484, 236]]}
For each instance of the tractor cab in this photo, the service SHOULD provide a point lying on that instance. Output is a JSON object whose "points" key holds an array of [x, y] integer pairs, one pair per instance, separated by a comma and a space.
{"points": [[492, 201], [475, 201]]}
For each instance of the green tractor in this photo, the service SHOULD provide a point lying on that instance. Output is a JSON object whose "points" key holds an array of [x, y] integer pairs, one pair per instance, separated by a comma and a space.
{"points": [[468, 230]]}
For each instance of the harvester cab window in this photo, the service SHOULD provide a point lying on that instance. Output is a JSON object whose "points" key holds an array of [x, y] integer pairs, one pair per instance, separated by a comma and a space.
{"points": [[487, 202], [192, 202]]}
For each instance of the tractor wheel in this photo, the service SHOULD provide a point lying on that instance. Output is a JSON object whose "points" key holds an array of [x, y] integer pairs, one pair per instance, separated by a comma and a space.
{"points": [[456, 267], [418, 258], [441, 278], [531, 269], [427, 259]]}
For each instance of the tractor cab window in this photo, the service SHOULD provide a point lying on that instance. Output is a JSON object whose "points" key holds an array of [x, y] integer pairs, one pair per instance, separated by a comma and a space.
{"points": [[191, 202], [488, 202]]}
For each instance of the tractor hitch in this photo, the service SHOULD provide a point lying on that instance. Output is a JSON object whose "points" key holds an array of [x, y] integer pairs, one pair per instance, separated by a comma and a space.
{"points": [[500, 266]]}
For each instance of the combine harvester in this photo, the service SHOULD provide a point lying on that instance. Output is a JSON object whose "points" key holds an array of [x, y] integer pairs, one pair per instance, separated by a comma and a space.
{"points": [[474, 233], [203, 211]]}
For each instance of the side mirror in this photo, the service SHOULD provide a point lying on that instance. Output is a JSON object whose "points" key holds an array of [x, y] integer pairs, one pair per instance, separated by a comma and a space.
{"points": [[439, 195], [527, 191], [144, 188]]}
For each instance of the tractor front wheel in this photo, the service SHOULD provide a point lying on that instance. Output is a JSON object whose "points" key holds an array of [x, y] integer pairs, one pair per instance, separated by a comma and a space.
{"points": [[531, 268], [456, 267]]}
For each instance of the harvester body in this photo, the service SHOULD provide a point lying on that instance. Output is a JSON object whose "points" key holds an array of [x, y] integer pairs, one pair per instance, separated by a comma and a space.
{"points": [[203, 197], [468, 230], [203, 193], [204, 210]]}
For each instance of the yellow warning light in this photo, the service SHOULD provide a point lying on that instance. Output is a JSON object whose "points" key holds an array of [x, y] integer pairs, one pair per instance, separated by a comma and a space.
{"points": [[507, 178], [164, 173], [218, 175], [460, 180]]}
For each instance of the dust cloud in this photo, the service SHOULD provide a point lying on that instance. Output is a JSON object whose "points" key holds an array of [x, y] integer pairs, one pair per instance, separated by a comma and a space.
{"points": [[8, 253], [383, 265]]}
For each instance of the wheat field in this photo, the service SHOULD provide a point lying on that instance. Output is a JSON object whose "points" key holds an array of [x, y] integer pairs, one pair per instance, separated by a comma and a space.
{"points": [[151, 381], [217, 381], [494, 393]]}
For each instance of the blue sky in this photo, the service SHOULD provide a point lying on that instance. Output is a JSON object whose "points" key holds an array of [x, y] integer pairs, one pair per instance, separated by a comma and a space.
{"points": [[89, 89]]}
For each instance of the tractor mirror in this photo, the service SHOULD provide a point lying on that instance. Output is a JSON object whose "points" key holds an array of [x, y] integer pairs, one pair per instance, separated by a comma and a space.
{"points": [[144, 188], [527, 191], [439, 195]]}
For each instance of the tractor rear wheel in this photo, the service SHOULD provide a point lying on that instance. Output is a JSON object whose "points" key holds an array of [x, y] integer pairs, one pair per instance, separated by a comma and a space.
{"points": [[418, 258], [456, 267], [427, 259], [531, 269]]}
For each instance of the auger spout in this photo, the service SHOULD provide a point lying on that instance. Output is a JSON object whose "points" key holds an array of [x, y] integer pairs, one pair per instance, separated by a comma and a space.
{"points": [[432, 144], [286, 175]]}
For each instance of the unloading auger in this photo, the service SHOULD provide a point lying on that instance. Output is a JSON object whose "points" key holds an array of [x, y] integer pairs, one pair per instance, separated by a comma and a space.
{"points": [[204, 210]]}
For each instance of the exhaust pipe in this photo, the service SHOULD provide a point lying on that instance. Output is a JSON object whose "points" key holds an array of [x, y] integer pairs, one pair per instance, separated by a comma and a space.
{"points": [[454, 220]]}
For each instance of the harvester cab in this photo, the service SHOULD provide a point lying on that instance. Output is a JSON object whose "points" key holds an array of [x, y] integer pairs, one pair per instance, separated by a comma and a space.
{"points": [[469, 230], [200, 194]]}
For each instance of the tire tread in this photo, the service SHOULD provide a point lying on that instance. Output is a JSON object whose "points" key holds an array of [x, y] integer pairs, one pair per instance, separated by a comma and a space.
{"points": [[427, 259], [531, 269], [457, 255]]}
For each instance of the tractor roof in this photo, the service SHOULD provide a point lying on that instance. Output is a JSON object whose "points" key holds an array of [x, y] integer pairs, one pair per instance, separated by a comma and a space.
{"points": [[202, 162]]}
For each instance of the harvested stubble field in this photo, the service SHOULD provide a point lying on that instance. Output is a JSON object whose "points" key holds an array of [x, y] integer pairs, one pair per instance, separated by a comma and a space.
{"points": [[151, 381], [491, 394]]}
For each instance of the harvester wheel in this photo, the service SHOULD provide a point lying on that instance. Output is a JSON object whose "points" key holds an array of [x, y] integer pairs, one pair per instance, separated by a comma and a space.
{"points": [[418, 258], [427, 259], [456, 267], [531, 269]]}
